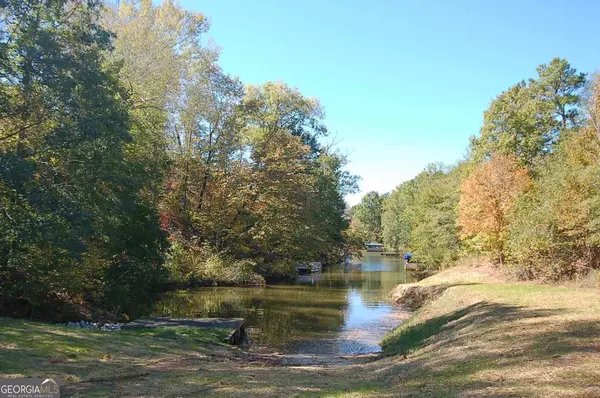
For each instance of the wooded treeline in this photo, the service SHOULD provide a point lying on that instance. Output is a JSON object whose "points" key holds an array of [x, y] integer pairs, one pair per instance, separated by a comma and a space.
{"points": [[130, 159], [527, 195]]}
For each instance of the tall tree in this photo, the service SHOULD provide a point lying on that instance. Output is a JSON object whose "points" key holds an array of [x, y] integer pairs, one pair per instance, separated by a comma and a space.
{"points": [[366, 217], [561, 85], [517, 124], [420, 216], [527, 120], [487, 197], [395, 219], [161, 52], [72, 220], [275, 106], [555, 228], [328, 223]]}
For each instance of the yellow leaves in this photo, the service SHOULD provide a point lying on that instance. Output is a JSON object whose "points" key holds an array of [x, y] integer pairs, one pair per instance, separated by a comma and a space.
{"points": [[146, 7], [593, 105], [487, 195], [126, 9]]}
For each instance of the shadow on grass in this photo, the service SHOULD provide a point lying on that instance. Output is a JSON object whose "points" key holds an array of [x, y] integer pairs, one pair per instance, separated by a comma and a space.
{"points": [[408, 337], [504, 349], [574, 337], [31, 348]]}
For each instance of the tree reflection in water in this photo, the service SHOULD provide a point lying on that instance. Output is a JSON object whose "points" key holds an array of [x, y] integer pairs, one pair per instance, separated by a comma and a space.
{"points": [[344, 309]]}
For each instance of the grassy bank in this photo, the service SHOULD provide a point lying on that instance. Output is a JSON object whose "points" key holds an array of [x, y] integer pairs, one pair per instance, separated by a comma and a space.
{"points": [[481, 336], [92, 363], [473, 336]]}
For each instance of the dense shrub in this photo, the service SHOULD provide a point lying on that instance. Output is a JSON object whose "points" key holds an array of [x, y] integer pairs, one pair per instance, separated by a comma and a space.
{"points": [[554, 230], [204, 266]]}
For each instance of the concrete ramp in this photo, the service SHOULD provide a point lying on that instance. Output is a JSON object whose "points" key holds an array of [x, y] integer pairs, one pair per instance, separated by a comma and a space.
{"points": [[236, 325]]}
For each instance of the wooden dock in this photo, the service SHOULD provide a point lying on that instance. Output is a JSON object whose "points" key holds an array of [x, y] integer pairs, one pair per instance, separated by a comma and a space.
{"points": [[236, 325], [390, 254]]}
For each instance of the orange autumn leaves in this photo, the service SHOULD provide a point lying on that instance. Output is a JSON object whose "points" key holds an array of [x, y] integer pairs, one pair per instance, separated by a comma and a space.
{"points": [[487, 197]]}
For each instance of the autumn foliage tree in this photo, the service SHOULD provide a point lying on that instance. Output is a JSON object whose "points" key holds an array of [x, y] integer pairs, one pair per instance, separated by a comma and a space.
{"points": [[129, 159], [487, 196], [555, 228]]}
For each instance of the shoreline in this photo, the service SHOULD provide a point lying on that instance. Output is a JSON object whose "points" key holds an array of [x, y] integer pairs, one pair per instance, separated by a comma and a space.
{"points": [[473, 334]]}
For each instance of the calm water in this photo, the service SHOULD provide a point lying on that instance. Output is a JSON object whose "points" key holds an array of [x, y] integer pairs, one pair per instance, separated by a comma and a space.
{"points": [[342, 310]]}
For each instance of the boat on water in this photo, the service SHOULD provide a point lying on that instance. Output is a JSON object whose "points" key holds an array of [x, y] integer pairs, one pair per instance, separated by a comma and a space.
{"points": [[374, 246], [315, 266]]}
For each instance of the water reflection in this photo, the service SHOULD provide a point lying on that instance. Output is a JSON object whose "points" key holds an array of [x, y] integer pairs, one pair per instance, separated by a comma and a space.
{"points": [[343, 310]]}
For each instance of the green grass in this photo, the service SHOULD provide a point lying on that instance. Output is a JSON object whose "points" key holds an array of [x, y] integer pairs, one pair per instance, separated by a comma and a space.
{"points": [[415, 332], [502, 340], [78, 356], [412, 335]]}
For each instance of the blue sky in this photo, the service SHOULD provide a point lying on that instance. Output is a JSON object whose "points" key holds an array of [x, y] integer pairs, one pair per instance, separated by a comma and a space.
{"points": [[404, 83]]}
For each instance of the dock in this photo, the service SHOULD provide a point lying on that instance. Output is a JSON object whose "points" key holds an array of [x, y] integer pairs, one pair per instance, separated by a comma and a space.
{"points": [[315, 266], [374, 246], [236, 325]]}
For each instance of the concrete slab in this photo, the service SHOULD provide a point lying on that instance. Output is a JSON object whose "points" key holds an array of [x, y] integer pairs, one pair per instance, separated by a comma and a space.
{"points": [[235, 324]]}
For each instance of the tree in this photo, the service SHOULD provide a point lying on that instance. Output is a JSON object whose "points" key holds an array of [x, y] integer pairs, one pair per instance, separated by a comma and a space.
{"points": [[555, 232], [395, 219], [275, 106], [516, 124], [592, 104], [560, 85], [155, 46], [420, 216], [312, 208], [487, 196], [73, 222], [434, 236], [527, 120], [328, 224], [366, 217]]}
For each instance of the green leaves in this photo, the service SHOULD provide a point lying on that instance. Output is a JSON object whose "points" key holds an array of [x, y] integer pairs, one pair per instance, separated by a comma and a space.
{"points": [[420, 216], [366, 217], [68, 187], [527, 120]]}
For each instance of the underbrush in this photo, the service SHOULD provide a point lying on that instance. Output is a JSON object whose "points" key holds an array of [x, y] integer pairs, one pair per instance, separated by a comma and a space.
{"points": [[204, 266]]}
